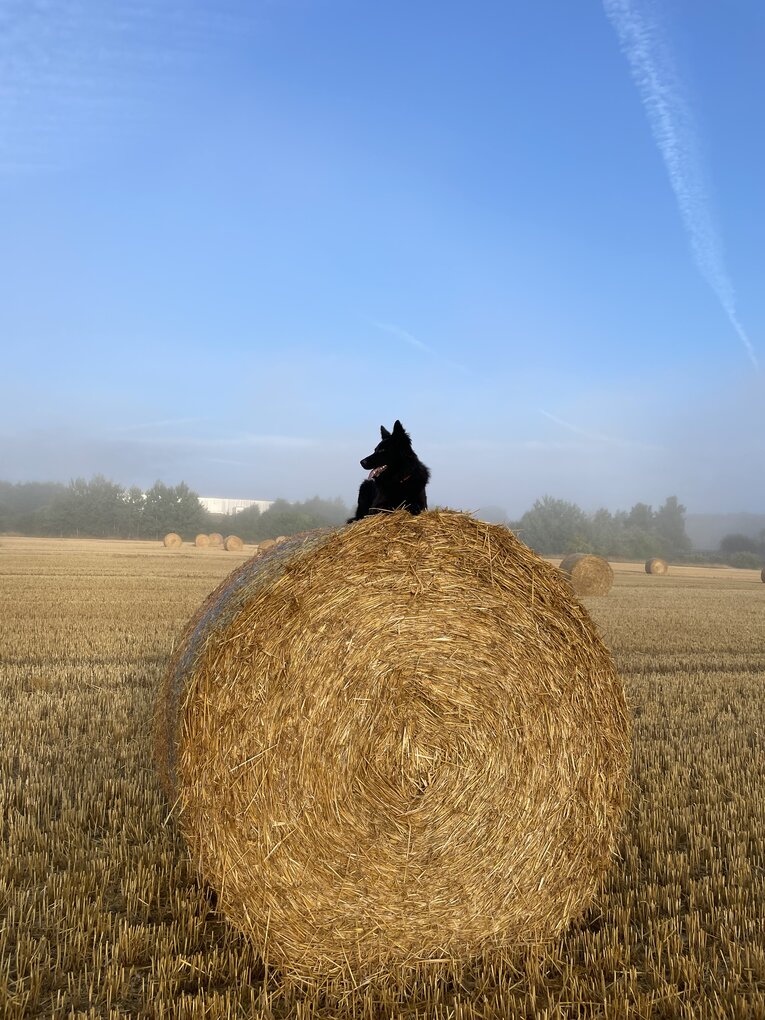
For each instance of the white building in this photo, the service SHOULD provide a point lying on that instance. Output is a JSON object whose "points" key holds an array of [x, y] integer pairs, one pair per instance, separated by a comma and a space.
{"points": [[215, 505]]}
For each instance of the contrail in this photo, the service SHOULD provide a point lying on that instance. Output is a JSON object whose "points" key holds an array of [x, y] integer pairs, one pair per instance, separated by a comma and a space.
{"points": [[671, 122], [402, 334]]}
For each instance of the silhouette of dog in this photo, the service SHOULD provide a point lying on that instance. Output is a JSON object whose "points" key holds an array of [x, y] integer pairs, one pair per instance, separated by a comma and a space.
{"points": [[397, 477]]}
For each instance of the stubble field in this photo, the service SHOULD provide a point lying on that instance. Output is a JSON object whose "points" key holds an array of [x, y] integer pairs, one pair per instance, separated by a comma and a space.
{"points": [[101, 914]]}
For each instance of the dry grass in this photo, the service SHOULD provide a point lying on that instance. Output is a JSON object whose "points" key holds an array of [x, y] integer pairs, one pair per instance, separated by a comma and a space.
{"points": [[102, 915]]}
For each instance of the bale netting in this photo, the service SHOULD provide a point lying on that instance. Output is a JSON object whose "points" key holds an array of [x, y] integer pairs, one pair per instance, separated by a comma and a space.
{"points": [[233, 544], [172, 541], [656, 566], [394, 747], [216, 540], [588, 575], [202, 541]]}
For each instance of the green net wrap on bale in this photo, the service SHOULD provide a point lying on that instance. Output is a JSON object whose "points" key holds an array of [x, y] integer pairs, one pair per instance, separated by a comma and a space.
{"points": [[395, 744], [587, 574], [656, 566]]}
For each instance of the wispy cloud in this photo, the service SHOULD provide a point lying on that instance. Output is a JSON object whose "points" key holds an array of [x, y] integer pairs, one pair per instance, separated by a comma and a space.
{"points": [[597, 437], [409, 338], [241, 441], [72, 71], [164, 423], [402, 334], [671, 121]]}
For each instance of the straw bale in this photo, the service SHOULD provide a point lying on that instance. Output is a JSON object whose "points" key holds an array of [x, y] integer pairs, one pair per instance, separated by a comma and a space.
{"points": [[216, 540], [268, 543], [202, 541], [172, 541], [656, 566], [233, 543], [395, 746], [587, 575], [762, 575]]}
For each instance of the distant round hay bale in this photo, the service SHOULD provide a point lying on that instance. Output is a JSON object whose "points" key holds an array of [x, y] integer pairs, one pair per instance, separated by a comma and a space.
{"points": [[233, 543], [656, 566], [172, 541], [216, 540], [202, 541], [588, 575], [762, 575], [266, 544], [395, 744], [280, 539]]}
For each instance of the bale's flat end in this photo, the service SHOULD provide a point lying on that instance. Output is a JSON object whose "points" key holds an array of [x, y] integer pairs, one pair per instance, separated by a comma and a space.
{"points": [[398, 742], [587, 574]]}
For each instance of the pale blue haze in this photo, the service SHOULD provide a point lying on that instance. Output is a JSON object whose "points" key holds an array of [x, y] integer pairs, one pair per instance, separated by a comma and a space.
{"points": [[239, 236]]}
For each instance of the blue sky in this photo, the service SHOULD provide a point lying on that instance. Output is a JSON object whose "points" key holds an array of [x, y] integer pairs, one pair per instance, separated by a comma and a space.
{"points": [[239, 236]]}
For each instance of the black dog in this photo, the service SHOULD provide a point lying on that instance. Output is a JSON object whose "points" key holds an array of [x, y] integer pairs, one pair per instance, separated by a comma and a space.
{"points": [[397, 477]]}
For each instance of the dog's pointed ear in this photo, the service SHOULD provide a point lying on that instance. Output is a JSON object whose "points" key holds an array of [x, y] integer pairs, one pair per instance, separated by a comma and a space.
{"points": [[384, 432], [398, 428]]}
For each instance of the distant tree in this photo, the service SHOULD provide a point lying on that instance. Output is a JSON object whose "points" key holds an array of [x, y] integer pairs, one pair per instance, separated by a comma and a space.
{"points": [[283, 518], [604, 530], [94, 509], [736, 543], [135, 503], [669, 525], [24, 503], [641, 516], [748, 560], [555, 526], [173, 508]]}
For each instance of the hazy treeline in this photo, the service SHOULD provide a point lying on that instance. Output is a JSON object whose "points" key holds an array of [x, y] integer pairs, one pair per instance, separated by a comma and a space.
{"points": [[555, 526], [100, 508]]}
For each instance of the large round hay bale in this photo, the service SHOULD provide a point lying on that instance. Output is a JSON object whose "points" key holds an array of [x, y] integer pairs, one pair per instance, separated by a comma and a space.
{"points": [[233, 543], [267, 544], [656, 566], [172, 541], [216, 540], [395, 744], [762, 575], [201, 541], [587, 574]]}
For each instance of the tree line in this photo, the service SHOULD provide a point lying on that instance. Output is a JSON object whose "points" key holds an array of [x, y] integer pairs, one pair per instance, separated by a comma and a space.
{"points": [[100, 508], [554, 526]]}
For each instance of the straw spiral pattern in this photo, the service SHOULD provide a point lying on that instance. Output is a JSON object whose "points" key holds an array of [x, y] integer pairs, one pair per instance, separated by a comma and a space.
{"points": [[587, 574], [397, 743]]}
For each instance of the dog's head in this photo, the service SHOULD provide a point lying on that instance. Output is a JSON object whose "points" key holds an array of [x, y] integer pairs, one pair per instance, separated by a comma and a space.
{"points": [[392, 446]]}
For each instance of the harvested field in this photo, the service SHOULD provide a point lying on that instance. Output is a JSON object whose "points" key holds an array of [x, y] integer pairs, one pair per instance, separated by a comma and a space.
{"points": [[101, 911]]}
